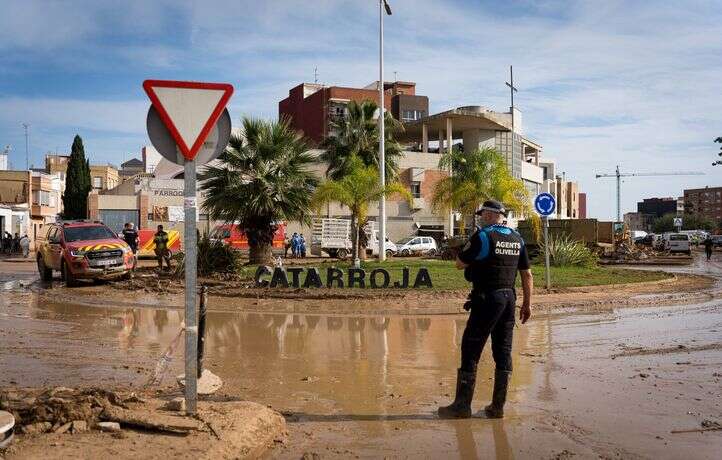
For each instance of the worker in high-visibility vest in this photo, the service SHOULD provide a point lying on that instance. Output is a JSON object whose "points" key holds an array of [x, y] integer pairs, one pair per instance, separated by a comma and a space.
{"points": [[161, 247]]}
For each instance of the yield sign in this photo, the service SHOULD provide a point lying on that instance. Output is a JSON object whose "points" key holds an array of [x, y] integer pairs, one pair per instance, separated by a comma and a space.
{"points": [[188, 109]]}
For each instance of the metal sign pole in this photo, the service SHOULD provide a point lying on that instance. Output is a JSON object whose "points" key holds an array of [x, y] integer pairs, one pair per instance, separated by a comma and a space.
{"points": [[190, 246], [546, 251]]}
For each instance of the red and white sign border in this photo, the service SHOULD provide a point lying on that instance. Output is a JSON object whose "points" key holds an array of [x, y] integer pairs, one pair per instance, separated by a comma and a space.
{"points": [[188, 152]]}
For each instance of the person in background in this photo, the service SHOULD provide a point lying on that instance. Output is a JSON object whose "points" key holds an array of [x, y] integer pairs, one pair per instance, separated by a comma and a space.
{"points": [[25, 245], [708, 246], [294, 245], [302, 246], [286, 246], [161, 247], [130, 235], [16, 243]]}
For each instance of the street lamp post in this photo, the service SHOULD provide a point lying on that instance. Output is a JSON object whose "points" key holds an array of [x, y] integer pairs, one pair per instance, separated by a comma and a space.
{"points": [[27, 155], [383, 5]]}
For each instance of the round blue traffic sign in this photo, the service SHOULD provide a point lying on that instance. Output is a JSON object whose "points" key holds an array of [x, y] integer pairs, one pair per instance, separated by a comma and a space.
{"points": [[544, 203]]}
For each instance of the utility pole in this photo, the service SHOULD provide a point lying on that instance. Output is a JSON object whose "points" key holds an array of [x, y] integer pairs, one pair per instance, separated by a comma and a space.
{"points": [[383, 5], [512, 90], [315, 74], [27, 155]]}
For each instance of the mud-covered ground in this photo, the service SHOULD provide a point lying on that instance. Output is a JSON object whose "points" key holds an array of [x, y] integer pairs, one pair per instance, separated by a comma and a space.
{"points": [[603, 381]]}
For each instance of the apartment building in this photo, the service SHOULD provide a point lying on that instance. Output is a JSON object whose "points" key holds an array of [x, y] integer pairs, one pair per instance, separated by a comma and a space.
{"points": [[706, 202], [102, 177], [311, 108], [33, 199]]}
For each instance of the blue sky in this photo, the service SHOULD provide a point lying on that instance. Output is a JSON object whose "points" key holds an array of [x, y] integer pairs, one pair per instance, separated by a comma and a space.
{"points": [[634, 83]]}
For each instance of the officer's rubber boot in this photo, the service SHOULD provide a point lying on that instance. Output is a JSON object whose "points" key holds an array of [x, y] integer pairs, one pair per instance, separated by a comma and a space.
{"points": [[461, 407], [496, 408]]}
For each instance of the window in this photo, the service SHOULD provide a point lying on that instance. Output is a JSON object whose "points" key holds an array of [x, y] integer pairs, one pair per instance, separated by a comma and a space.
{"points": [[97, 182], [411, 115], [416, 189], [43, 198]]}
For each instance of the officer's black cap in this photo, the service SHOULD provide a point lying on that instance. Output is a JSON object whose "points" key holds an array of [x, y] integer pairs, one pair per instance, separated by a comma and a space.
{"points": [[493, 206]]}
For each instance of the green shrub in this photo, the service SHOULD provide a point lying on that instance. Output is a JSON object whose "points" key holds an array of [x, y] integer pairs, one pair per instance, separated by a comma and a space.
{"points": [[566, 252], [216, 257]]}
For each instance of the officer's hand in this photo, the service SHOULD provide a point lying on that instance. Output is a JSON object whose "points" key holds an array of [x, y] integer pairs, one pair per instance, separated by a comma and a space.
{"points": [[525, 313]]}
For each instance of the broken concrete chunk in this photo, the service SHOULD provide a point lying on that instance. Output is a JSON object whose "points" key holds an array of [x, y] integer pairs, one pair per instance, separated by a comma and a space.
{"points": [[208, 384], [63, 428], [108, 426], [39, 427], [176, 404], [79, 426]]}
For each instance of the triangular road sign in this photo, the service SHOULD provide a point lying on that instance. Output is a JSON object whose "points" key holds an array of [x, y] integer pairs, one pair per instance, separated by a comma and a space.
{"points": [[188, 109]]}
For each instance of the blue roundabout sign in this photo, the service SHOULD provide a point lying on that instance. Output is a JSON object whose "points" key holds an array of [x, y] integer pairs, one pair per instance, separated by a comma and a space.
{"points": [[545, 204]]}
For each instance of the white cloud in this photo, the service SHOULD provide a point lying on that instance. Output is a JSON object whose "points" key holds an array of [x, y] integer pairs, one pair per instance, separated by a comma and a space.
{"points": [[601, 83]]}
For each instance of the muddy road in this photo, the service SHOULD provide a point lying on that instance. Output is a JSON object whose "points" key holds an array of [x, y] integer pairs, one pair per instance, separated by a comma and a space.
{"points": [[610, 382]]}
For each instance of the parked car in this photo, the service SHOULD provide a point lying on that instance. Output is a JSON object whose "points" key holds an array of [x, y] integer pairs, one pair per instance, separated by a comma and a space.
{"points": [[717, 240], [678, 242], [83, 249], [417, 245], [647, 240], [373, 248]]}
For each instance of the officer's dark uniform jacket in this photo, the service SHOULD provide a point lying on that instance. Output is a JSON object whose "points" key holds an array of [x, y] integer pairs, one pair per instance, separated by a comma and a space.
{"points": [[494, 254]]}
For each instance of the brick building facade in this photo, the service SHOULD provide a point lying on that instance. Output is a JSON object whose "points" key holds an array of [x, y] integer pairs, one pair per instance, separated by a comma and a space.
{"points": [[706, 202], [312, 107]]}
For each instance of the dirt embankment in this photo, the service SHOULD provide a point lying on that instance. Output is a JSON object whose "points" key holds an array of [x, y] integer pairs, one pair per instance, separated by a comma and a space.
{"points": [[151, 289]]}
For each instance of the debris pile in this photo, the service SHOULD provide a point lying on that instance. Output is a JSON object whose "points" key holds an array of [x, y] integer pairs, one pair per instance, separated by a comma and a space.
{"points": [[66, 410], [59, 409]]}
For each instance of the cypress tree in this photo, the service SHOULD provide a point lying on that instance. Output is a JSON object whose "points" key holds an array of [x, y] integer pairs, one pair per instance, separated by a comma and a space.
{"points": [[77, 183]]}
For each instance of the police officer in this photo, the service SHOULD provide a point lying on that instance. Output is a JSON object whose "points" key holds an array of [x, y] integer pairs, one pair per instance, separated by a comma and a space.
{"points": [[490, 260]]}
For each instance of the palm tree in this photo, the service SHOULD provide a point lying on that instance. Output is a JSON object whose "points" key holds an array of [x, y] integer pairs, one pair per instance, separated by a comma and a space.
{"points": [[357, 135], [356, 190], [263, 178], [477, 176]]}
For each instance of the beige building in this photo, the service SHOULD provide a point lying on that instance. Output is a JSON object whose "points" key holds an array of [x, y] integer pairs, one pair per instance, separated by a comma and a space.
{"points": [[33, 194], [102, 177]]}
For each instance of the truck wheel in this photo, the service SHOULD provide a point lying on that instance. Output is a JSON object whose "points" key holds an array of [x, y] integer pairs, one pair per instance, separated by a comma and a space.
{"points": [[342, 253], [46, 274], [389, 253], [68, 277]]}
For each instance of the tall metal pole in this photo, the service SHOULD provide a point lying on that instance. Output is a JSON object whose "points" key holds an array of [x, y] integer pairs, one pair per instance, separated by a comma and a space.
{"points": [[190, 246], [619, 194], [546, 252], [27, 154], [512, 90], [382, 151]]}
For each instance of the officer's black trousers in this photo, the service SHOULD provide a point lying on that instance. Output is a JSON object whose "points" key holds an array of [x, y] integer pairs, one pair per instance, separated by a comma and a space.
{"points": [[492, 314]]}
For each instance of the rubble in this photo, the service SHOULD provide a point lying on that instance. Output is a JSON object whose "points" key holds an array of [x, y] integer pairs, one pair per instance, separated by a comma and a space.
{"points": [[58, 410]]}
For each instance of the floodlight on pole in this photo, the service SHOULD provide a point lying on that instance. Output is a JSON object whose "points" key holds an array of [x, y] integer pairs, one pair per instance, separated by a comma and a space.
{"points": [[383, 5]]}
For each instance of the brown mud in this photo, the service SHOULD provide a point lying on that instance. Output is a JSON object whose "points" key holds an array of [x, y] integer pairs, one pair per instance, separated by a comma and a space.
{"points": [[596, 382], [151, 290]]}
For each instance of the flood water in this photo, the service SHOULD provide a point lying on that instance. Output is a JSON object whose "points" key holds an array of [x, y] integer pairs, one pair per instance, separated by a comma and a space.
{"points": [[610, 382]]}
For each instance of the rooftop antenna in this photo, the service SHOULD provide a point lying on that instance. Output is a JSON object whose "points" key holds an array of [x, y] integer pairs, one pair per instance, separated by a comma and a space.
{"points": [[315, 74], [396, 78]]}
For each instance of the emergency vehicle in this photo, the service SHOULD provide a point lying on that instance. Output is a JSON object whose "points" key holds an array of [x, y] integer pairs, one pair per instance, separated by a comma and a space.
{"points": [[233, 236], [146, 245]]}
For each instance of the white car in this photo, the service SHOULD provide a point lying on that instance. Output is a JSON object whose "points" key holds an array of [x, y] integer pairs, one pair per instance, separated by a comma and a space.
{"points": [[373, 247], [416, 245], [677, 242]]}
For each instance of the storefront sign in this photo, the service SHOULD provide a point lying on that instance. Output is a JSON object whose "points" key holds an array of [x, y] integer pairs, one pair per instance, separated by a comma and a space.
{"points": [[299, 277]]}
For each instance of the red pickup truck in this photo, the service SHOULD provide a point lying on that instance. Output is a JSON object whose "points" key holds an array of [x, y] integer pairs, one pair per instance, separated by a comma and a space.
{"points": [[82, 249]]}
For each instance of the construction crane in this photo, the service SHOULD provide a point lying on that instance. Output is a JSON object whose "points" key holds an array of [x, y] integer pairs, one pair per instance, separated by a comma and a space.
{"points": [[619, 176]]}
